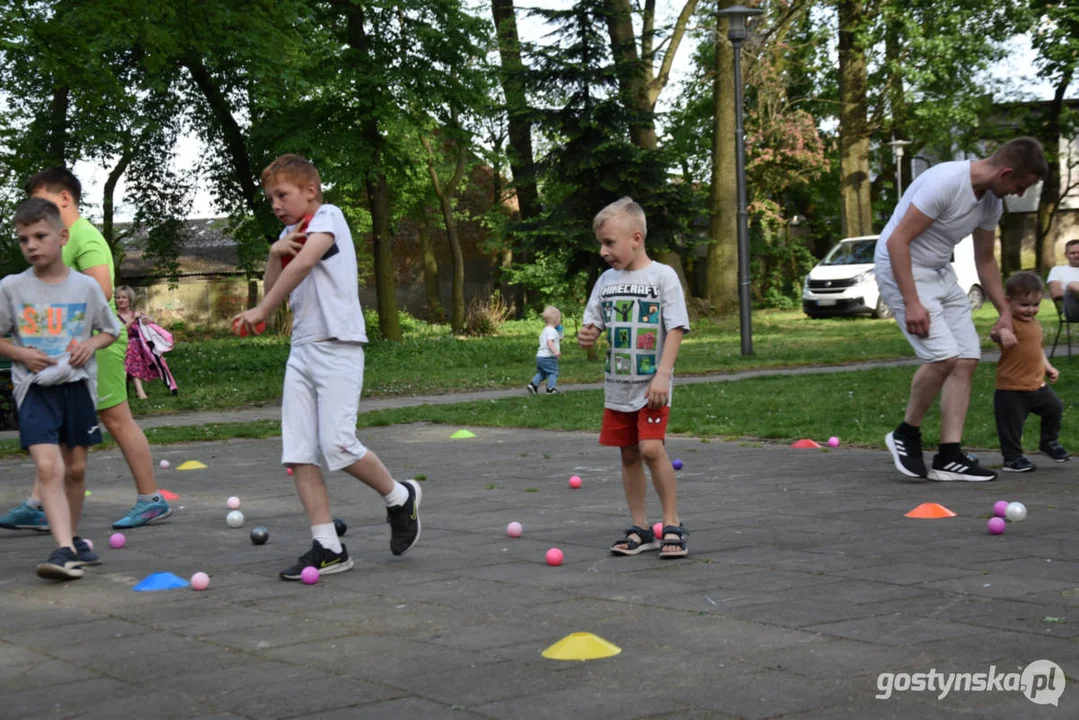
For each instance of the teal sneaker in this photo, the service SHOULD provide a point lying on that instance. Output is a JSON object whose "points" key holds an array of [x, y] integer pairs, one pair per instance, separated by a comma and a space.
{"points": [[143, 513], [25, 517]]}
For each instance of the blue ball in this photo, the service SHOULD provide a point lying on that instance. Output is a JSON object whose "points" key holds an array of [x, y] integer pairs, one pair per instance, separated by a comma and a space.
{"points": [[676, 464], [340, 527]]}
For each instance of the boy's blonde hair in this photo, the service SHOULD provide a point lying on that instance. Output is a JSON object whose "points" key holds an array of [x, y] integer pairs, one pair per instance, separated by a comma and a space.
{"points": [[296, 169], [627, 208], [551, 313]]}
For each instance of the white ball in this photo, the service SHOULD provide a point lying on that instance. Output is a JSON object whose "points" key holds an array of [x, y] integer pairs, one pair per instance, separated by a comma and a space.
{"points": [[164, 463], [1016, 512], [235, 519]]}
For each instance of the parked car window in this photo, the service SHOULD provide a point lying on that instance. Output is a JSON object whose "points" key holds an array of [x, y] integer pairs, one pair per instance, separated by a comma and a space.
{"points": [[851, 253]]}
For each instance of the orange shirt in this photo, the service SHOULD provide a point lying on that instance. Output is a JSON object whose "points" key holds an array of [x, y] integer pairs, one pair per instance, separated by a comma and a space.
{"points": [[1022, 367]]}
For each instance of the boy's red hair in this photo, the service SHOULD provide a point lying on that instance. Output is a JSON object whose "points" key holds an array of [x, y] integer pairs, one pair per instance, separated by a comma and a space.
{"points": [[296, 169]]}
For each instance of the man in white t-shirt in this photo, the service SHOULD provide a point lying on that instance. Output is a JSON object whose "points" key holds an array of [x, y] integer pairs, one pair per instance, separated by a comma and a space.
{"points": [[1064, 281], [913, 269]]}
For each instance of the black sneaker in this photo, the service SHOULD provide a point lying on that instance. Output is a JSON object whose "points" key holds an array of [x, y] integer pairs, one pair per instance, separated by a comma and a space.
{"points": [[404, 520], [326, 561], [958, 467], [63, 564], [1055, 451], [906, 449], [554, 391], [532, 389], [85, 555], [1020, 464]]}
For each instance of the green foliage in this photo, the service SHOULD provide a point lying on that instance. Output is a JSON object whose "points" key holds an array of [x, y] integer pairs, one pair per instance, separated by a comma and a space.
{"points": [[551, 281]]}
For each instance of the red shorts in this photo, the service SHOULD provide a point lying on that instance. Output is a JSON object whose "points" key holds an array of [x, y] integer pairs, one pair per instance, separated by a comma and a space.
{"points": [[625, 429]]}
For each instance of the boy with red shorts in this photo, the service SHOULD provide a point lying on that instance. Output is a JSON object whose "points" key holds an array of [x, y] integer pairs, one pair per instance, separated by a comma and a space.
{"points": [[641, 305]]}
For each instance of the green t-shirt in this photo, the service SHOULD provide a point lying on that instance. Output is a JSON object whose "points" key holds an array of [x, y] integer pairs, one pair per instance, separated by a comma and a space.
{"points": [[86, 248]]}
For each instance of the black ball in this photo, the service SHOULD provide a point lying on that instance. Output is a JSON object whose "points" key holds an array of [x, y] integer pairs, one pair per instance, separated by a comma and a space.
{"points": [[340, 527], [260, 535]]}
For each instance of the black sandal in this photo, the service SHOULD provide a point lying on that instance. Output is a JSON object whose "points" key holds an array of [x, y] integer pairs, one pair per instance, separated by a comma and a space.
{"points": [[632, 547], [678, 547]]}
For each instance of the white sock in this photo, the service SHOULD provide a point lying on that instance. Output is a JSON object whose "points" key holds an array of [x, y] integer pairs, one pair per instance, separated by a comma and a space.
{"points": [[326, 534], [397, 496], [35, 503], [152, 497]]}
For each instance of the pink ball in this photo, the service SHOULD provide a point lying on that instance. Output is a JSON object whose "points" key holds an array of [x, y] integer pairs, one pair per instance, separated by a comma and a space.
{"points": [[200, 581], [309, 575], [117, 541], [657, 530], [575, 482], [164, 463], [554, 557], [833, 441], [89, 543], [996, 525], [514, 529], [233, 502], [1000, 508], [289, 471]]}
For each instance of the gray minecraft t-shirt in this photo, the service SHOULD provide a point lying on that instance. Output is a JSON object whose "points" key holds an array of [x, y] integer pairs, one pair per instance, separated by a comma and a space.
{"points": [[50, 317], [636, 308]]}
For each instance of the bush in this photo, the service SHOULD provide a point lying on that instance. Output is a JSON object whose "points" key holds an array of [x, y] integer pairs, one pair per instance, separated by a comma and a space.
{"points": [[485, 315], [410, 325]]}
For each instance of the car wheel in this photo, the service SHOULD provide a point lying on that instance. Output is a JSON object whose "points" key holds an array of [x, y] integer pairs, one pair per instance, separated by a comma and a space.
{"points": [[976, 297], [882, 311]]}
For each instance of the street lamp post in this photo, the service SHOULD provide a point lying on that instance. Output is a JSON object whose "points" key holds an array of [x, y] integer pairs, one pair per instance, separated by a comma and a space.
{"points": [[897, 151], [736, 33]]}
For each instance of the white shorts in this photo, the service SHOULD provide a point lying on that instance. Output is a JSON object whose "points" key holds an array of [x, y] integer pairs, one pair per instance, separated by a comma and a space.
{"points": [[951, 326], [321, 397]]}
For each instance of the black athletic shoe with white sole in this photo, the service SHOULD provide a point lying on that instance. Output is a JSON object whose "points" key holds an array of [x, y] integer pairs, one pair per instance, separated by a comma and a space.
{"points": [[404, 520], [958, 468], [63, 564], [1055, 451], [906, 449], [327, 562], [1018, 465]]}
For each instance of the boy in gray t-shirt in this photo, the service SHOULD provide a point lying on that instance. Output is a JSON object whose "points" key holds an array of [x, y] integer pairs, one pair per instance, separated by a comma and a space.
{"points": [[51, 311], [641, 305]]}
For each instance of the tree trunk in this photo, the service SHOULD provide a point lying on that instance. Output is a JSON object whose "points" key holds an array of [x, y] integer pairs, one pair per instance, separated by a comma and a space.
{"points": [[431, 286], [107, 204], [56, 133], [235, 142], [856, 212], [445, 195], [378, 197], [721, 289], [1048, 203], [1011, 243], [520, 127]]}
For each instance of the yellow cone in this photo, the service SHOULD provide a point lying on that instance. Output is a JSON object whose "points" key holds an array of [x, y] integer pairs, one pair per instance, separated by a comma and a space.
{"points": [[461, 434], [581, 646], [192, 465]]}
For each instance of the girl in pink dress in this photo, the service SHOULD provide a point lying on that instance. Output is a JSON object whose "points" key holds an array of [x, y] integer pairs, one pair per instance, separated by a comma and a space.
{"points": [[145, 360]]}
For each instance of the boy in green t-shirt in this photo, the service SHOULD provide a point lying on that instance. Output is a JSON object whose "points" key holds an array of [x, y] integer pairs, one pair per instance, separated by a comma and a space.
{"points": [[88, 253]]}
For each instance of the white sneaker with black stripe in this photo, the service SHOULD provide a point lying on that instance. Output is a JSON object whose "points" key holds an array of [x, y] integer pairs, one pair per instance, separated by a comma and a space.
{"points": [[958, 468], [906, 449]]}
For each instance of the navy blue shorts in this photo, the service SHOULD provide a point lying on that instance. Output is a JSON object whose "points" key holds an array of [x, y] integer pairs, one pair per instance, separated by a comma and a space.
{"points": [[58, 415]]}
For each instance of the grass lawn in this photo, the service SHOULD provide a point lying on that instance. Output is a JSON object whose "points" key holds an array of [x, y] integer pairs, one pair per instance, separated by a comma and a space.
{"points": [[224, 373], [859, 407]]}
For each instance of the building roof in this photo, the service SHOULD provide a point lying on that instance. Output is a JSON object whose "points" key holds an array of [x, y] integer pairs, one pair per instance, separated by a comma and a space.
{"points": [[207, 251]]}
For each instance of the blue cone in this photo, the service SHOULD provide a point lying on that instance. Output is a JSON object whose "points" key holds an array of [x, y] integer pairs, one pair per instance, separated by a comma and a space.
{"points": [[161, 581]]}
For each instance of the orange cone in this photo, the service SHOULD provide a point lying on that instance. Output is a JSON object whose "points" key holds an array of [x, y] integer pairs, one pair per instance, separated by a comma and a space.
{"points": [[805, 443], [930, 511], [169, 495]]}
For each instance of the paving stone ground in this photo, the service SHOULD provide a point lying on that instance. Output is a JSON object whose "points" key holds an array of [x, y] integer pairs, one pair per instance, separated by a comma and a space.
{"points": [[805, 583]]}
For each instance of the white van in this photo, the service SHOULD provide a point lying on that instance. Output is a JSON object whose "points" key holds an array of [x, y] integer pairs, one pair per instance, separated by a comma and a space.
{"points": [[843, 282]]}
